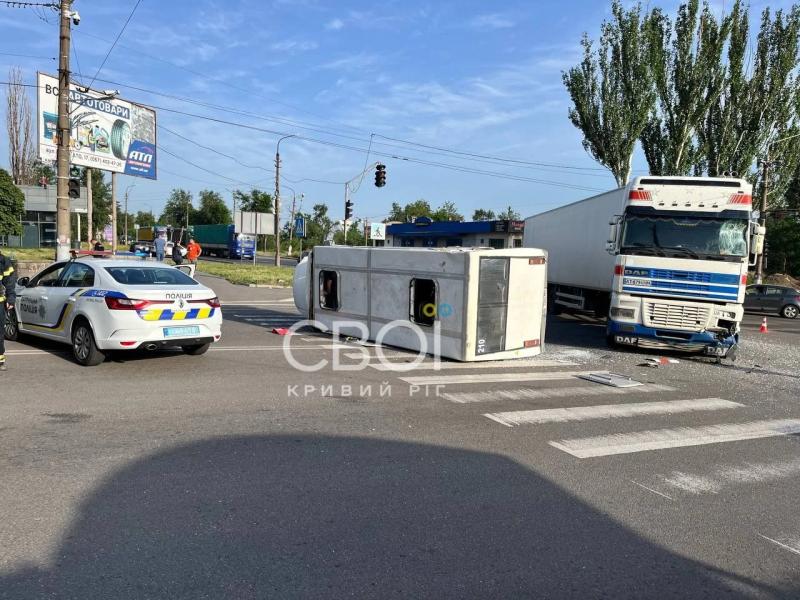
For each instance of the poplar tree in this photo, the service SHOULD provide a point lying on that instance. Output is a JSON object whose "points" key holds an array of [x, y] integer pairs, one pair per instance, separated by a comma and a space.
{"points": [[612, 91]]}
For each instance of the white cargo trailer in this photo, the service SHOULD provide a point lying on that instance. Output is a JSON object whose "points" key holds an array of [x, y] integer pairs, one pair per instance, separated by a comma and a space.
{"points": [[466, 304]]}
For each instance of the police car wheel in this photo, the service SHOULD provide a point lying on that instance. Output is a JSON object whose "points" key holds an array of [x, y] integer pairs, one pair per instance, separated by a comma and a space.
{"points": [[196, 350], [11, 332], [84, 349]]}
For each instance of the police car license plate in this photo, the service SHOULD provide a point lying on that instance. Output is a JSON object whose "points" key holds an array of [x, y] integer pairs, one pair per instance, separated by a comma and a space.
{"points": [[181, 331]]}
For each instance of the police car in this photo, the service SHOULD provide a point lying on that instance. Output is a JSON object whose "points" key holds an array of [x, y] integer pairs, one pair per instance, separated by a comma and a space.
{"points": [[98, 305]]}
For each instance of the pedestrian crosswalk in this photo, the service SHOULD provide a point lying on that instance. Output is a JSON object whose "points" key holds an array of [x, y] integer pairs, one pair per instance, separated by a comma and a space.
{"points": [[550, 400]]}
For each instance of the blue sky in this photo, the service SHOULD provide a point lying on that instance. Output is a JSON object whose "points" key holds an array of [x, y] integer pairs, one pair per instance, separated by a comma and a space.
{"points": [[479, 77]]}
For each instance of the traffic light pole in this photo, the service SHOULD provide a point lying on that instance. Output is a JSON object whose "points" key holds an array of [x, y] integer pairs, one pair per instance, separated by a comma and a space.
{"points": [[347, 203], [62, 151]]}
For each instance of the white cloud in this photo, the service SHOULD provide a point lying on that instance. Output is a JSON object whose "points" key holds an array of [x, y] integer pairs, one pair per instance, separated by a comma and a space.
{"points": [[294, 46], [334, 25], [351, 63], [491, 21]]}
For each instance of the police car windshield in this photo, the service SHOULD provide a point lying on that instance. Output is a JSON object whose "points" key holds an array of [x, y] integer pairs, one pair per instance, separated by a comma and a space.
{"points": [[155, 276]]}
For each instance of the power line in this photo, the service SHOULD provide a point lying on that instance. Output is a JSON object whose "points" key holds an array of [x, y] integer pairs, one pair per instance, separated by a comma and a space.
{"points": [[119, 35], [188, 162], [199, 145], [427, 149], [459, 168], [28, 4], [27, 56]]}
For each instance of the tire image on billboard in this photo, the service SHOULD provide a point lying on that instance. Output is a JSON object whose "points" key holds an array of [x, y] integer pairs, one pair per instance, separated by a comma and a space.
{"points": [[120, 139]]}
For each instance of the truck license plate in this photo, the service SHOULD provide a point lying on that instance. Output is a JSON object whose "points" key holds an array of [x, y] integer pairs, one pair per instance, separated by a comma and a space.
{"points": [[181, 331], [716, 350], [637, 282]]}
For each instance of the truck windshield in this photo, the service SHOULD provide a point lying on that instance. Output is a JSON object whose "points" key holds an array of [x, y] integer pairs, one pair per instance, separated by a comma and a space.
{"points": [[685, 236]]}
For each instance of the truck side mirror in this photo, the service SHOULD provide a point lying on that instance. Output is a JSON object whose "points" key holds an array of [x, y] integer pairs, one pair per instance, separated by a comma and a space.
{"points": [[611, 243], [758, 240]]}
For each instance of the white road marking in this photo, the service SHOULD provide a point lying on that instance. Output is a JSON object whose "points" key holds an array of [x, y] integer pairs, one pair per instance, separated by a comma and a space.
{"points": [[608, 411], [732, 475], [491, 378], [294, 347], [659, 439], [282, 302], [651, 490], [793, 546], [450, 366], [543, 393]]}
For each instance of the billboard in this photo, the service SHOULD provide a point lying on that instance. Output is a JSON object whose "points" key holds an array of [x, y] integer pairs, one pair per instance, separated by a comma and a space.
{"points": [[109, 134], [252, 223]]}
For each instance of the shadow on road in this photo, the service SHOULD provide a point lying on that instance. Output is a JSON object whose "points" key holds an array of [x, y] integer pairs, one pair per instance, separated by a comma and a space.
{"points": [[321, 517]]}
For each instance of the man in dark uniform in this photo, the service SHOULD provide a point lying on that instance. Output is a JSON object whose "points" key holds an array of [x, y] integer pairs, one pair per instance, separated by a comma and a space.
{"points": [[8, 283]]}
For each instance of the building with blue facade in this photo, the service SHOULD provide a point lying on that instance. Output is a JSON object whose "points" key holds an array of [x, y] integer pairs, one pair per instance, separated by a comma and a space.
{"points": [[424, 233]]}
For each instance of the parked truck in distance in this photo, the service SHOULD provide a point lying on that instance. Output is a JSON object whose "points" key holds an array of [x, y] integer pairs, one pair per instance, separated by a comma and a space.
{"points": [[672, 271], [223, 241]]}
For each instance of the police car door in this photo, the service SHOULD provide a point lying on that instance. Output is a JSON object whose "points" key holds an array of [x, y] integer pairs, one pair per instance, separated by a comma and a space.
{"points": [[58, 301], [75, 278], [32, 302]]}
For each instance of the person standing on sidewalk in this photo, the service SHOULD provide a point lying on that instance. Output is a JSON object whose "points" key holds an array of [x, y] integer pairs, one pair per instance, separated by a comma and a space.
{"points": [[8, 284], [193, 251], [160, 245]]}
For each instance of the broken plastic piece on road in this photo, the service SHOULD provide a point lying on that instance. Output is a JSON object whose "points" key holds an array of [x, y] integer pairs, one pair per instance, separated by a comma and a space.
{"points": [[282, 331], [612, 379]]}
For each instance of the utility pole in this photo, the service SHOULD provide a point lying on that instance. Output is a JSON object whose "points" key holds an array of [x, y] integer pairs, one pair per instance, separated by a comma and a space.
{"points": [[278, 201], [127, 191], [89, 226], [291, 223], [765, 164], [113, 213], [62, 152]]}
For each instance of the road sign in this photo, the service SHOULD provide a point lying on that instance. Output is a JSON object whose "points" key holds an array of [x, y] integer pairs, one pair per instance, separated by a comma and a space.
{"points": [[107, 233], [377, 231], [300, 226]]}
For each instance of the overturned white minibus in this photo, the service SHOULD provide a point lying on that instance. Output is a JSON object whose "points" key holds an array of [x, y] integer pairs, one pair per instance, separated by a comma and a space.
{"points": [[466, 304]]}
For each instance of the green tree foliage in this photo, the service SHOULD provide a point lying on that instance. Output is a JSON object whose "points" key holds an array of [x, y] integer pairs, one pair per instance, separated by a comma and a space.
{"points": [[318, 226], [12, 205], [213, 210], [418, 208], [355, 234], [509, 214], [481, 214], [783, 245], [612, 91], [101, 201], [447, 212], [687, 69], [177, 208], [253, 201], [145, 218]]}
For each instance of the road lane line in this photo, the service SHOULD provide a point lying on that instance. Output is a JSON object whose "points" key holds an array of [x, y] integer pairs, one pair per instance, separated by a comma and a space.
{"points": [[545, 393], [659, 439], [609, 411], [451, 366], [492, 378], [794, 549], [644, 487]]}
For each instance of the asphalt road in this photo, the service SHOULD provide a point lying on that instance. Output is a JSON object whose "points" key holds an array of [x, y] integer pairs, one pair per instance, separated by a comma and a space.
{"points": [[234, 475]]}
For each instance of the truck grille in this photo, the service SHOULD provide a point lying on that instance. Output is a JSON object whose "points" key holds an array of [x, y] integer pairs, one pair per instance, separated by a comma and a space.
{"points": [[694, 318]]}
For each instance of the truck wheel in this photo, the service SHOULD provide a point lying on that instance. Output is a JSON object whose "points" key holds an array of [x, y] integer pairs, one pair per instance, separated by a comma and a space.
{"points": [[84, 348], [196, 350], [789, 311]]}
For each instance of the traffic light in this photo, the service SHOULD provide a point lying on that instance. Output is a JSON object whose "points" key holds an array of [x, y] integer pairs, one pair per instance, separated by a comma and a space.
{"points": [[74, 182], [348, 210], [380, 175]]}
